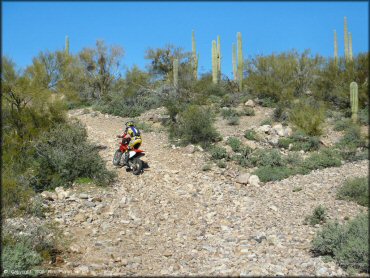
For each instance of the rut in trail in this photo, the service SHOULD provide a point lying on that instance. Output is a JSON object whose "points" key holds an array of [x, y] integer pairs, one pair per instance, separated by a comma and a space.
{"points": [[175, 219]]}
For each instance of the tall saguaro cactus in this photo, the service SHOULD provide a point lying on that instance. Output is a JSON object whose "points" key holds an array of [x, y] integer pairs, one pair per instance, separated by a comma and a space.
{"points": [[354, 100], [240, 61], [194, 56], [234, 62], [66, 47], [176, 73], [345, 39], [335, 48], [350, 55], [218, 58], [214, 62]]}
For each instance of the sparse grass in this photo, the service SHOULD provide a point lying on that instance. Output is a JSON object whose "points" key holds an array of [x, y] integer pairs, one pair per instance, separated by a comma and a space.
{"points": [[234, 143], [250, 134]]}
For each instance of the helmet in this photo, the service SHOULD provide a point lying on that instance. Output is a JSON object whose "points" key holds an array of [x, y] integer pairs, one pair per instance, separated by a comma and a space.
{"points": [[130, 123]]}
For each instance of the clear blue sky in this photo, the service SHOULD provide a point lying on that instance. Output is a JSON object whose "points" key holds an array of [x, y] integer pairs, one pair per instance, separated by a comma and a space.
{"points": [[266, 27]]}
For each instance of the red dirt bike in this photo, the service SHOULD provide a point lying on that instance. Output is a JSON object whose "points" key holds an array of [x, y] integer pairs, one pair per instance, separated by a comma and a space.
{"points": [[134, 162]]}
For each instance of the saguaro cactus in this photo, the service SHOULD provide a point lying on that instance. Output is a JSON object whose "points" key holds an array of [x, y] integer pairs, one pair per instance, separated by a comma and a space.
{"points": [[354, 100], [176, 73], [345, 39], [240, 61], [66, 47], [195, 57], [214, 62], [350, 56], [335, 48], [234, 62], [218, 58]]}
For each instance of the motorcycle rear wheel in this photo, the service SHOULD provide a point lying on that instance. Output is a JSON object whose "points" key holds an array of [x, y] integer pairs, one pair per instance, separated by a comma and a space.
{"points": [[117, 157], [136, 165]]}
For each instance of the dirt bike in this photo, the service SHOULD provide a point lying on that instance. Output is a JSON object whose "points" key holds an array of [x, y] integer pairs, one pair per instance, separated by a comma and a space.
{"points": [[134, 162]]}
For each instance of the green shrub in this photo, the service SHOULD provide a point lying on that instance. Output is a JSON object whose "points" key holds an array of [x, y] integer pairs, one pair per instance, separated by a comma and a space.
{"points": [[206, 167], [308, 116], [319, 216], [234, 120], [356, 190], [63, 155], [280, 113], [342, 124], [306, 143], [363, 116], [218, 152], [234, 143], [195, 125], [221, 164], [248, 111], [270, 173], [348, 244], [267, 121], [229, 113], [250, 134], [325, 158], [19, 256], [263, 157], [352, 137]]}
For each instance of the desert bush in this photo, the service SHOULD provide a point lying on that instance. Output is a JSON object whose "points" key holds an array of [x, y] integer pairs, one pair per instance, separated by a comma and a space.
{"points": [[280, 112], [363, 116], [19, 256], [342, 124], [262, 157], [234, 143], [221, 164], [229, 113], [267, 121], [299, 142], [318, 216], [271, 173], [325, 158], [308, 116], [62, 155], [233, 120], [195, 125], [218, 153], [356, 190], [347, 244], [350, 142], [248, 111], [250, 134]]}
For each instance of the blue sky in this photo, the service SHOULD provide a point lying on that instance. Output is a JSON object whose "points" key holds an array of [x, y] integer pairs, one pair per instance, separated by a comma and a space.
{"points": [[266, 27]]}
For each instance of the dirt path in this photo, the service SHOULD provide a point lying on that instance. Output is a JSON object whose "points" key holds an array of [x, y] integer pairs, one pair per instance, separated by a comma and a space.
{"points": [[176, 219]]}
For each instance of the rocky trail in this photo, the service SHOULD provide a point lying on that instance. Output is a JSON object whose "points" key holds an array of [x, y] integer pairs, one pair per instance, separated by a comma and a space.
{"points": [[176, 219]]}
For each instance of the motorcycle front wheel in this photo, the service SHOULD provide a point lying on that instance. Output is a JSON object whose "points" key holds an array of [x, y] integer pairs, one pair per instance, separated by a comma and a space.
{"points": [[117, 157], [136, 165]]}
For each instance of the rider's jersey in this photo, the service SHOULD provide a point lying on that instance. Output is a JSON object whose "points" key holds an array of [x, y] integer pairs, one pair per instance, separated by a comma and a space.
{"points": [[133, 132]]}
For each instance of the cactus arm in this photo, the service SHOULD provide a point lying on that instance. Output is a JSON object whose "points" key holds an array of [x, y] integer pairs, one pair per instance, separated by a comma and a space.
{"points": [[345, 39], [218, 58], [214, 62], [66, 48], [240, 61], [234, 62], [354, 100], [175, 73], [335, 48], [195, 57], [350, 46]]}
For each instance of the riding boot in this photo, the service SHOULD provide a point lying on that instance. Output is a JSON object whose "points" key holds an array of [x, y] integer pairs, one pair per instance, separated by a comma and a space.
{"points": [[126, 158]]}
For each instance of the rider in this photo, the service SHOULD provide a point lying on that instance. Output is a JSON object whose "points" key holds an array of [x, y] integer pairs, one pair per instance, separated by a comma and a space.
{"points": [[132, 137]]}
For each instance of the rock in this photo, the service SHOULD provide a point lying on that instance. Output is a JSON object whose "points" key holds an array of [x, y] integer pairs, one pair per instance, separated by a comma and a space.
{"points": [[264, 128], [279, 130], [274, 208], [48, 196], [167, 253], [254, 180], [82, 269], [80, 217], [200, 149], [83, 196], [243, 178], [190, 149], [274, 139], [290, 146], [288, 131], [75, 248], [322, 271], [96, 199], [250, 103]]}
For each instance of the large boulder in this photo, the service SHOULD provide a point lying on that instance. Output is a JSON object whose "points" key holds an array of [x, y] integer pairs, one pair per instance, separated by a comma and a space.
{"points": [[288, 131]]}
